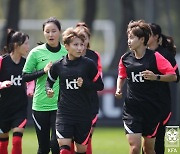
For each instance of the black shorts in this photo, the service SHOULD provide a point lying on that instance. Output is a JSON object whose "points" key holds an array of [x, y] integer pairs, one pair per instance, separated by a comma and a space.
{"points": [[94, 120], [19, 119], [79, 131], [136, 124], [166, 118]]}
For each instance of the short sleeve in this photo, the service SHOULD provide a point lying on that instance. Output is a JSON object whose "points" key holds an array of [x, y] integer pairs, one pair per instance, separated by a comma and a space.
{"points": [[122, 70]]}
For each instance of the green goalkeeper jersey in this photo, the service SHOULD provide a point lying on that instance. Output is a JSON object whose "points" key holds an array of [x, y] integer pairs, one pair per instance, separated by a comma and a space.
{"points": [[37, 60]]}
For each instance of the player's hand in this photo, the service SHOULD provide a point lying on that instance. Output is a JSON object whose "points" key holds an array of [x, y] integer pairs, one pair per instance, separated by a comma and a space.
{"points": [[50, 93], [118, 94], [79, 82], [30, 93], [5, 84], [47, 67], [30, 88], [149, 75]]}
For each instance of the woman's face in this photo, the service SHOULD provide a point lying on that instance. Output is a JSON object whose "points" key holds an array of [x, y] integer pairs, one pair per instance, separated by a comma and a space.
{"points": [[86, 41], [134, 42], [52, 34], [24, 48], [75, 48], [153, 39]]}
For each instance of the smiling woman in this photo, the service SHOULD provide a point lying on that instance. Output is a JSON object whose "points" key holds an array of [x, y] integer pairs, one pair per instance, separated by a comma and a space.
{"points": [[38, 63]]}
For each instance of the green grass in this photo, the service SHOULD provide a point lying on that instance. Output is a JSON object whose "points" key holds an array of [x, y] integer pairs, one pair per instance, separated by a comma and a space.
{"points": [[105, 141], [109, 141], [29, 141]]}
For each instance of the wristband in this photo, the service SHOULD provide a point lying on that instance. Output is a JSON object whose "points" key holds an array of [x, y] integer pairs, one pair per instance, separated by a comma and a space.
{"points": [[158, 77]]}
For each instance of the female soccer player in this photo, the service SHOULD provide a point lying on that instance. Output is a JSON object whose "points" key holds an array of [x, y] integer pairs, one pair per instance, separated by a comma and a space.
{"points": [[36, 67], [93, 55], [13, 98], [143, 69], [165, 46], [79, 76]]}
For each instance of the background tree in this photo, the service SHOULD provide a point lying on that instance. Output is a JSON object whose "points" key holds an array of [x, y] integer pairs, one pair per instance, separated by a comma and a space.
{"points": [[12, 19], [150, 13], [90, 12], [168, 14], [127, 10]]}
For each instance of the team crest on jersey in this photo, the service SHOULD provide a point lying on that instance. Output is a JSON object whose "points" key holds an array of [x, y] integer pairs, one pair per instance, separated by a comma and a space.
{"points": [[137, 77], [71, 84], [16, 81]]}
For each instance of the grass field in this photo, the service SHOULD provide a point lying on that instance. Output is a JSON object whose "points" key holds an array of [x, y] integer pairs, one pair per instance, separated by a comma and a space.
{"points": [[105, 141]]}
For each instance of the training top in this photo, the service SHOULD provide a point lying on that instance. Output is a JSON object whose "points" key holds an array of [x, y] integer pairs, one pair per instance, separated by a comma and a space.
{"points": [[74, 102], [142, 95], [14, 98], [164, 89], [36, 61], [93, 55]]}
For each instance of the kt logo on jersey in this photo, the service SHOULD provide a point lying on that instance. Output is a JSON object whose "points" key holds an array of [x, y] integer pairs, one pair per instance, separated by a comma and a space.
{"points": [[71, 84], [16, 81], [137, 77]]}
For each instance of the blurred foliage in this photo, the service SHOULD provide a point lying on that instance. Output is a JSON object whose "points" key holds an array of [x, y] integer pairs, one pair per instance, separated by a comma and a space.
{"points": [[42, 9], [162, 12]]}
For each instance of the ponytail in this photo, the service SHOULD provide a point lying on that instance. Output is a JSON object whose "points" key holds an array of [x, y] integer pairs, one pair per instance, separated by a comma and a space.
{"points": [[163, 40], [12, 38], [8, 47], [168, 43]]}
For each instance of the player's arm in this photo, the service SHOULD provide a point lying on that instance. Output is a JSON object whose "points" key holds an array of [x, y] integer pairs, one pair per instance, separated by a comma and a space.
{"points": [[36, 74], [175, 66], [177, 73], [119, 87], [30, 88], [94, 80], [7, 83], [99, 64], [168, 73], [120, 79], [52, 77], [172, 60]]}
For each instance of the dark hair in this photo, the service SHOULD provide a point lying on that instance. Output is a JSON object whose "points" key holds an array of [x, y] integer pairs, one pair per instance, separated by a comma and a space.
{"points": [[12, 38], [69, 34], [40, 43], [140, 29], [167, 41], [83, 26], [53, 20]]}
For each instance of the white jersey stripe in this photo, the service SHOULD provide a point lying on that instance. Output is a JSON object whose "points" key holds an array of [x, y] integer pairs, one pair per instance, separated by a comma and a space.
{"points": [[59, 135], [50, 77], [127, 129], [1, 131], [36, 122]]}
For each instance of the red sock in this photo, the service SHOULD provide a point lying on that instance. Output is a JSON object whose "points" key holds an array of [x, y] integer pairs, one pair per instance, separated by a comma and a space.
{"points": [[4, 145], [72, 148], [17, 145], [89, 147], [65, 151]]}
